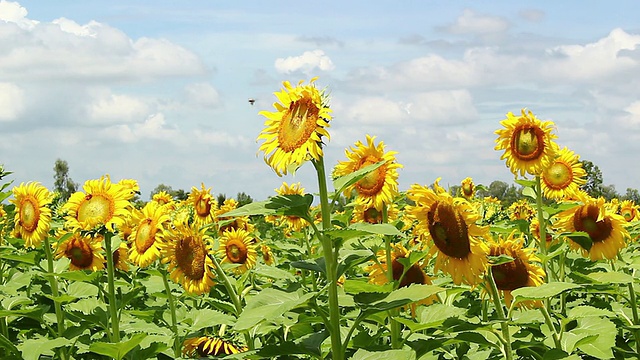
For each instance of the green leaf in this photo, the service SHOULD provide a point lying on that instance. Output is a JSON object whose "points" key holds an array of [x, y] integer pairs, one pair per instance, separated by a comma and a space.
{"points": [[254, 208], [8, 345], [544, 291], [362, 286], [606, 340], [273, 272], [611, 277], [586, 311], [581, 238], [82, 290], [342, 182], [526, 183], [28, 258], [529, 192], [33, 313], [402, 296], [433, 316], [267, 305], [363, 354], [89, 277], [207, 317], [380, 229], [32, 348], [118, 350], [292, 205], [499, 260]]}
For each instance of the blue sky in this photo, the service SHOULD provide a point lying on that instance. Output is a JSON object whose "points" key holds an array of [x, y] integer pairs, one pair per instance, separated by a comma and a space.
{"points": [[157, 90]]}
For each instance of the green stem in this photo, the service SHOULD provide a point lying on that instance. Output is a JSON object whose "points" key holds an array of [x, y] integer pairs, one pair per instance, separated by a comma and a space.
{"points": [[54, 287], [172, 308], [111, 293], [396, 342], [504, 326], [549, 322], [634, 311], [543, 227], [314, 282], [331, 263]]}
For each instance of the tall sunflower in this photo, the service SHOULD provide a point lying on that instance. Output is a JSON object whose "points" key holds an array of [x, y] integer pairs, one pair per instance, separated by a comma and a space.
{"points": [[467, 188], [527, 143], [379, 186], [101, 203], [205, 346], [204, 204], [605, 228], [33, 215], [451, 224], [563, 176], [84, 252], [238, 247], [186, 250], [293, 133], [147, 234], [521, 272]]}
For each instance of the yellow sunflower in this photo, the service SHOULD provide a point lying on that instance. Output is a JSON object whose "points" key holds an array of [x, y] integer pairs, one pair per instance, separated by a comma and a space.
{"points": [[147, 234], [84, 252], [238, 247], [534, 228], [267, 255], [521, 210], [293, 133], [33, 215], [204, 204], [379, 186], [164, 198], [186, 250], [226, 223], [101, 203], [120, 258], [206, 346], [451, 224], [467, 188], [521, 272], [292, 223], [527, 143], [366, 212], [132, 187], [605, 228], [563, 176], [628, 210]]}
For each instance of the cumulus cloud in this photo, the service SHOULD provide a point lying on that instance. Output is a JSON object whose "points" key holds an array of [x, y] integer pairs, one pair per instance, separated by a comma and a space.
{"points": [[447, 107], [202, 94], [116, 108], [11, 101], [13, 12], [533, 15], [376, 110], [153, 127], [222, 138], [307, 62], [471, 22]]}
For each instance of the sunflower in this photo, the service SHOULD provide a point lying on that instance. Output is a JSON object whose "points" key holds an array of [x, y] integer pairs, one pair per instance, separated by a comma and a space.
{"points": [[147, 233], [132, 187], [84, 252], [491, 209], [238, 247], [206, 346], [527, 143], [185, 249], [227, 223], [204, 204], [605, 228], [292, 223], [628, 210], [451, 224], [563, 176], [521, 272], [377, 187], [521, 210], [365, 212], [534, 228], [467, 188], [267, 255], [164, 198], [293, 133], [120, 258], [102, 203], [33, 215]]}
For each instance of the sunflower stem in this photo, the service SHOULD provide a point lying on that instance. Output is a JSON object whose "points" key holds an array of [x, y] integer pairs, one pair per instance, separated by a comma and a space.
{"points": [[549, 322], [54, 287], [172, 308], [504, 326], [396, 342], [331, 263], [111, 293], [313, 275], [543, 227]]}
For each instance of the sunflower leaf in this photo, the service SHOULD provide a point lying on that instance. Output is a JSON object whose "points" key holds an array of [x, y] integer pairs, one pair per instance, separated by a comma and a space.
{"points": [[119, 350], [254, 208], [544, 291], [611, 277], [363, 354], [528, 191], [526, 183], [499, 260], [342, 182], [581, 238]]}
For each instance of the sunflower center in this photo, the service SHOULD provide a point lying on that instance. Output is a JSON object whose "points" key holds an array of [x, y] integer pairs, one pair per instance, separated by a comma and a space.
{"points": [[372, 216], [80, 253], [527, 142], [146, 236], [628, 213], [29, 214], [298, 123], [586, 219], [372, 183], [467, 190], [190, 256], [236, 251], [203, 206], [558, 176], [448, 230], [510, 276], [96, 207], [414, 275]]}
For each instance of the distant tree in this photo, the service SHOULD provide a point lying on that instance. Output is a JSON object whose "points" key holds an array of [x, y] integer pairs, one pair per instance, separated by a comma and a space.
{"points": [[593, 186], [609, 192], [221, 198], [507, 194], [160, 188], [180, 195], [63, 184], [633, 195], [455, 190], [243, 199]]}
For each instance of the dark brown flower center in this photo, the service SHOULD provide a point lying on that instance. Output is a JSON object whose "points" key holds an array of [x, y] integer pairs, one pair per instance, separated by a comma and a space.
{"points": [[236, 251], [203, 206], [586, 219], [414, 275], [372, 216], [527, 142], [629, 213], [190, 257], [80, 253], [449, 230], [298, 123], [510, 276]]}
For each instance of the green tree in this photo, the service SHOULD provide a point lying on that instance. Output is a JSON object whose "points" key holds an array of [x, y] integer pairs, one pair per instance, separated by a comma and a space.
{"points": [[63, 184], [221, 198], [593, 186], [243, 199], [507, 194], [160, 188], [633, 195]]}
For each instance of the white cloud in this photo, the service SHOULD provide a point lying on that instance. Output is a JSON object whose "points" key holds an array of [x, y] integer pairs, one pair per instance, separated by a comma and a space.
{"points": [[13, 12], [222, 138], [307, 62], [202, 94], [154, 127], [447, 107], [114, 108], [376, 110], [533, 15], [73, 27], [11, 101], [471, 22]]}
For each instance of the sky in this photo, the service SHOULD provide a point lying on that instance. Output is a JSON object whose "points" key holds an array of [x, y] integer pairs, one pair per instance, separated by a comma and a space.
{"points": [[157, 91]]}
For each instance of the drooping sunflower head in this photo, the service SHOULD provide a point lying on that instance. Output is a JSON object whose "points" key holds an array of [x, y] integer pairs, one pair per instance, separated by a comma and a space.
{"points": [[379, 186], [564, 176], [147, 234], [293, 133], [521, 210], [605, 228], [527, 143], [238, 247], [628, 210], [205, 346], [186, 248], [101, 203], [467, 188], [84, 252], [450, 223], [33, 215], [521, 272], [204, 205], [365, 212]]}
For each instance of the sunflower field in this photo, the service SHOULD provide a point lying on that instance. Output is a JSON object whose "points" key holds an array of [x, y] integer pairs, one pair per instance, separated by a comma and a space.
{"points": [[426, 273]]}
